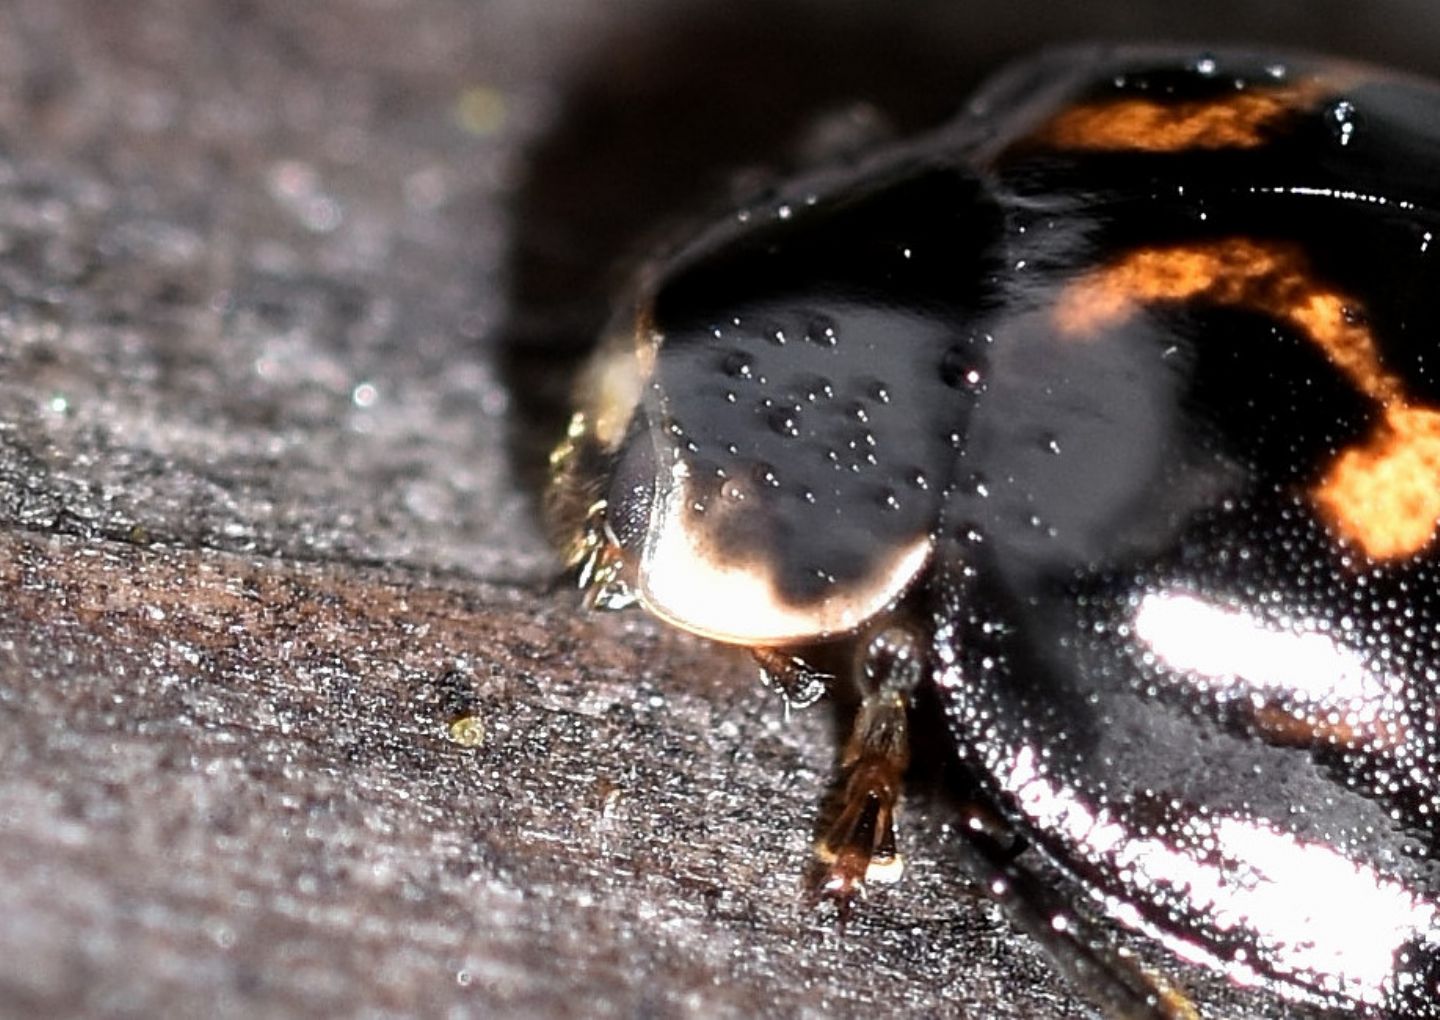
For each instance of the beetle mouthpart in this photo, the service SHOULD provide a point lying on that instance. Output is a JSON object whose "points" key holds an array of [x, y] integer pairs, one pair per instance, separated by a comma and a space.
{"points": [[794, 679], [600, 564]]}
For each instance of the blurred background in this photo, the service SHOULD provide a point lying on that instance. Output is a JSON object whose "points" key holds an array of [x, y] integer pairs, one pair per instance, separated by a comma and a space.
{"points": [[294, 718]]}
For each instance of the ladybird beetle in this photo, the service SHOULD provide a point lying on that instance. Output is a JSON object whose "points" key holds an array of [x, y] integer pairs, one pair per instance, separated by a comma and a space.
{"points": [[1111, 411]]}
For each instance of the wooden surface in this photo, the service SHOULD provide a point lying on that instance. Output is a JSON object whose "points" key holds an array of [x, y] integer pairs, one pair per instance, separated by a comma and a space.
{"points": [[289, 295]]}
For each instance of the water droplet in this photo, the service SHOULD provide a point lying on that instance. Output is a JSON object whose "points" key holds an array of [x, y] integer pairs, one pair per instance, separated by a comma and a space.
{"points": [[880, 392], [1342, 117], [1050, 443], [766, 476], [820, 329], [733, 491], [889, 501], [739, 365], [817, 388], [784, 422], [1205, 65], [958, 369], [919, 481]]}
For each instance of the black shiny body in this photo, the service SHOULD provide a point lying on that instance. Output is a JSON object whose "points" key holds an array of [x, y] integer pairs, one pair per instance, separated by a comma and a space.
{"points": [[1172, 664], [1183, 445]]}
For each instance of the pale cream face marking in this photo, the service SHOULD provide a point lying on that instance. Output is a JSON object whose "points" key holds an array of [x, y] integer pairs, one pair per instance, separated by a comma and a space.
{"points": [[612, 383], [685, 582]]}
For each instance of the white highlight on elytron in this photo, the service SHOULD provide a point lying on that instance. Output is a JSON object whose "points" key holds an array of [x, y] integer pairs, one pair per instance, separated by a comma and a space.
{"points": [[1311, 911], [1217, 646]]}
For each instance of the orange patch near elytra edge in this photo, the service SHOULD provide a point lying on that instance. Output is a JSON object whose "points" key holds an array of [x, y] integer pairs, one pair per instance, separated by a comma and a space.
{"points": [[1307, 729], [1383, 495], [1237, 121], [1391, 485]]}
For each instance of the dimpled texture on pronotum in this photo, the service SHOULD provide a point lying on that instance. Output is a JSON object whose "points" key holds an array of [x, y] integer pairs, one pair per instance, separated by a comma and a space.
{"points": [[1120, 391]]}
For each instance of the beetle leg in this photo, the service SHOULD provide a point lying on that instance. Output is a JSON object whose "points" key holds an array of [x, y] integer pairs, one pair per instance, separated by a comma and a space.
{"points": [[1120, 983], [859, 845], [798, 682]]}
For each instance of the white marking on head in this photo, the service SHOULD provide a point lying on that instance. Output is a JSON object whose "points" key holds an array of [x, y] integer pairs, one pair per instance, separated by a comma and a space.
{"points": [[685, 581]]}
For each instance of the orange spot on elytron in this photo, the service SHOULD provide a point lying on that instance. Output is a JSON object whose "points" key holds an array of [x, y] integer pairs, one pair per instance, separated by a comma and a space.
{"points": [[1238, 121], [1263, 276], [1391, 484], [1280, 725], [1384, 495]]}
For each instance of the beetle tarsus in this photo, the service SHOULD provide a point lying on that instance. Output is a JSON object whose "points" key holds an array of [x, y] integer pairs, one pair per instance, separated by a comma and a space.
{"points": [[860, 846]]}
